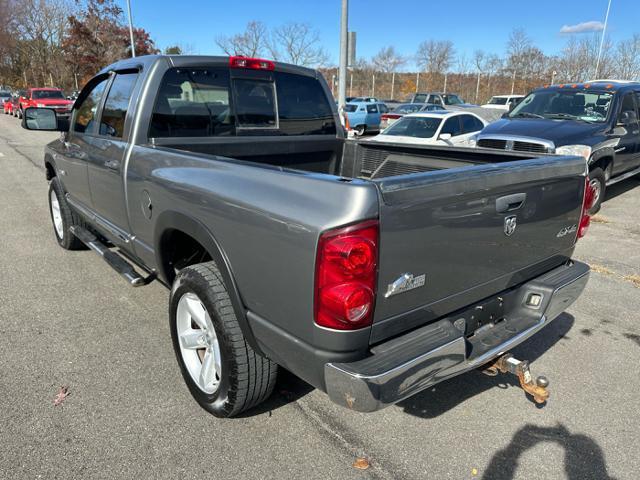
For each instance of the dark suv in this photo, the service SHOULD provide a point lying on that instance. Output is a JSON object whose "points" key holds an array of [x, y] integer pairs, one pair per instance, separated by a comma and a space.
{"points": [[597, 120]]}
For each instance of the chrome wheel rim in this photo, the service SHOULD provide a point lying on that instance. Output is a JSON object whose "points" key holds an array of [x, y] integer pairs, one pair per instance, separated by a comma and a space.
{"points": [[56, 215], [597, 189], [198, 343]]}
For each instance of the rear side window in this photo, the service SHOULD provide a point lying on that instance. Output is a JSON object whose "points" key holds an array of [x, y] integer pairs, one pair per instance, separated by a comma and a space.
{"points": [[452, 126], [471, 124], [193, 103], [372, 109], [84, 117], [117, 104]]}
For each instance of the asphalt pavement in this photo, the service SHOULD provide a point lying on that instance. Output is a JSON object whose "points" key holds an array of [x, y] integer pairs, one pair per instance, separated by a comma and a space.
{"points": [[66, 319]]}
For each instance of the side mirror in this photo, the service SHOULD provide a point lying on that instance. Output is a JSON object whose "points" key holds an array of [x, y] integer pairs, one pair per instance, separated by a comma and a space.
{"points": [[44, 119], [445, 136], [627, 118]]}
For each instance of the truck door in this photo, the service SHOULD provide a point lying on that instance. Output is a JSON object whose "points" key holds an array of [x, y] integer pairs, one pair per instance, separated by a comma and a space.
{"points": [[106, 157], [71, 163], [627, 149]]}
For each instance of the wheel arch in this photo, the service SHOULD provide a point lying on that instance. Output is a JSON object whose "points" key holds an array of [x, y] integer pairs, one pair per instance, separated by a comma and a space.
{"points": [[170, 222], [49, 167], [603, 159]]}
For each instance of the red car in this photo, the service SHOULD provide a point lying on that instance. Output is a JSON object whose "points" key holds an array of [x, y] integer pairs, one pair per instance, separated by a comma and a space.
{"points": [[11, 106], [45, 97]]}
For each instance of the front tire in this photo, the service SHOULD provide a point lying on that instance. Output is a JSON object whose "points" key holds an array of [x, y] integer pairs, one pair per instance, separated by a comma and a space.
{"points": [[223, 373], [598, 182], [63, 218]]}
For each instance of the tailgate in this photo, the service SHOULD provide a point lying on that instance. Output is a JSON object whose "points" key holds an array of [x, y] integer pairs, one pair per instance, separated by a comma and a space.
{"points": [[472, 232]]}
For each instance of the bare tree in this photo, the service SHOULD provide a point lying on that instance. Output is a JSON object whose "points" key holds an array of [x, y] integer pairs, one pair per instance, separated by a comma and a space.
{"points": [[627, 58], [388, 60], [578, 59], [435, 56], [250, 43], [297, 43], [519, 46]]}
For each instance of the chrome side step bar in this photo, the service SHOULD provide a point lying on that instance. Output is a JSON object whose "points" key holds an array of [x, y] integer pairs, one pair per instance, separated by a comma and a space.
{"points": [[624, 176], [114, 260]]}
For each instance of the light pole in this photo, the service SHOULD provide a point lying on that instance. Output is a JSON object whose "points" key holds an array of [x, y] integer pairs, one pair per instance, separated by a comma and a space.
{"points": [[342, 73], [133, 48], [604, 32]]}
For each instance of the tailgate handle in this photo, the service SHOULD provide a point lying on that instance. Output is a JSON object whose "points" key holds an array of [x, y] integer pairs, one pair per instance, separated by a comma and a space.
{"points": [[510, 202]]}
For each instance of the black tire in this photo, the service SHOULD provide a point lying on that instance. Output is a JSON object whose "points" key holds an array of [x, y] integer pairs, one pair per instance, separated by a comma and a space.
{"points": [[597, 175], [360, 130], [69, 218], [247, 378]]}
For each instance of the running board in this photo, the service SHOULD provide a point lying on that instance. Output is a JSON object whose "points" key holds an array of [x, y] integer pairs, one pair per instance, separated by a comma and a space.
{"points": [[114, 260], [624, 176]]}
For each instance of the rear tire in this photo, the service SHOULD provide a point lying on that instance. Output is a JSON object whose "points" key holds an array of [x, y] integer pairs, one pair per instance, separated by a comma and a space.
{"points": [[241, 378], [63, 218], [598, 181], [360, 130]]}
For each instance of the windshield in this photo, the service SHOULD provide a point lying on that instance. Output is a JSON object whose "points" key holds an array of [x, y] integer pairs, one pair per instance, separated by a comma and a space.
{"points": [[451, 99], [419, 127], [350, 108], [4, 93], [498, 101], [42, 94], [588, 106], [410, 108], [420, 98]]}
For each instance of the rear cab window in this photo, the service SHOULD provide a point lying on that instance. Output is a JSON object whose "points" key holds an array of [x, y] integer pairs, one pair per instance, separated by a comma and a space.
{"points": [[205, 102]]}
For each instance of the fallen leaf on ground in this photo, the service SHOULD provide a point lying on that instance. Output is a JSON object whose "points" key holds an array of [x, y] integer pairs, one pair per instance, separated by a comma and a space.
{"points": [[601, 269], [474, 471], [361, 463], [635, 279], [61, 395], [599, 219]]}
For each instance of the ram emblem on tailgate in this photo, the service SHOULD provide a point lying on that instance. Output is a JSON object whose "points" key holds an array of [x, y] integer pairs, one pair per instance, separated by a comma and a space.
{"points": [[406, 282]]}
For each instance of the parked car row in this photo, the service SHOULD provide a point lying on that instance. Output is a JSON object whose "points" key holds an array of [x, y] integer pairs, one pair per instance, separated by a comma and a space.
{"points": [[15, 103]]}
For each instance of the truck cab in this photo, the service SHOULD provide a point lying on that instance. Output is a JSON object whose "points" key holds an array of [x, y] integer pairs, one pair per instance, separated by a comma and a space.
{"points": [[598, 120]]}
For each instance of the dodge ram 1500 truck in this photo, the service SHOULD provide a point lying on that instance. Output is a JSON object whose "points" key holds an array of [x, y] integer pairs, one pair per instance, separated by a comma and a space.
{"points": [[371, 271], [599, 120]]}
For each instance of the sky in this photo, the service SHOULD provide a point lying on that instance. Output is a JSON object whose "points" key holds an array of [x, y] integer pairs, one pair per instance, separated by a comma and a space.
{"points": [[404, 24]]}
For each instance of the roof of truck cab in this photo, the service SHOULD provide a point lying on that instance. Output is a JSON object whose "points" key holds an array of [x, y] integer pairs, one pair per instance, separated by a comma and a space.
{"points": [[146, 61]]}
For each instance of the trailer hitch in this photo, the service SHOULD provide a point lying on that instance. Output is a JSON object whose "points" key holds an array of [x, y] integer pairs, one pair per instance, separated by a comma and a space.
{"points": [[507, 363]]}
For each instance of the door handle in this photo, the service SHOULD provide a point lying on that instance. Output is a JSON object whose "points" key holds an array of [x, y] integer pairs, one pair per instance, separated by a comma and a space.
{"points": [[509, 203], [112, 165]]}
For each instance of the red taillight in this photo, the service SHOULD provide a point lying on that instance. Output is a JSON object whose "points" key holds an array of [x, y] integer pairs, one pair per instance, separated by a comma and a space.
{"points": [[346, 276], [587, 203], [388, 116], [252, 63]]}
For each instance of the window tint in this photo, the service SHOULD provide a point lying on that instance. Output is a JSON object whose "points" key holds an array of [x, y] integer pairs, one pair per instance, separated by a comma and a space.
{"points": [[86, 111], [419, 127], [383, 108], [420, 98], [255, 103], [350, 108], [628, 105], [452, 126], [193, 103], [303, 106], [372, 108], [435, 99], [47, 94], [116, 105], [471, 124]]}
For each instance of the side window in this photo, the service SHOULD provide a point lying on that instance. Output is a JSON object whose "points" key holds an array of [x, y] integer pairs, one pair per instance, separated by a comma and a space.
{"points": [[435, 99], [86, 112], [471, 124], [383, 108], [116, 105], [372, 108], [628, 105], [193, 103], [452, 126], [255, 103]]}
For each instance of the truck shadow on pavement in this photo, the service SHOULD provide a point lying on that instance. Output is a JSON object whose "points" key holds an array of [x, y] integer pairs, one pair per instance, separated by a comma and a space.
{"points": [[583, 457], [621, 188], [434, 401]]}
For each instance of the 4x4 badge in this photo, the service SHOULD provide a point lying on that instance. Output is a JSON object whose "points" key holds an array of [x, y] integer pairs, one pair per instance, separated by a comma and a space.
{"points": [[510, 224]]}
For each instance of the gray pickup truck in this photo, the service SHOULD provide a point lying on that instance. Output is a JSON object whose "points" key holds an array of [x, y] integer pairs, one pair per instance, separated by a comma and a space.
{"points": [[370, 270]]}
